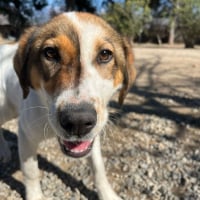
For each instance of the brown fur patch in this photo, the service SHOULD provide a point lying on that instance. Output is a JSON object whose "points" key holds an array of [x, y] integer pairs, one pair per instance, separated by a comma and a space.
{"points": [[68, 64], [118, 78], [66, 49], [60, 81], [129, 72], [21, 60], [35, 77]]}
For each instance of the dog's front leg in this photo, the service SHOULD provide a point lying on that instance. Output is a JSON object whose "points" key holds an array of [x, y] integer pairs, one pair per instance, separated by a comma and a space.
{"points": [[29, 166], [104, 189]]}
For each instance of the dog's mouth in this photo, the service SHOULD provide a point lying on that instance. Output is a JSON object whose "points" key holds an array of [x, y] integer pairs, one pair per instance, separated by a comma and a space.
{"points": [[76, 149]]}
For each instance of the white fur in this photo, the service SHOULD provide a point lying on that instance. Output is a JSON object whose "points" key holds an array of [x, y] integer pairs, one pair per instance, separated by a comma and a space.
{"points": [[38, 110]]}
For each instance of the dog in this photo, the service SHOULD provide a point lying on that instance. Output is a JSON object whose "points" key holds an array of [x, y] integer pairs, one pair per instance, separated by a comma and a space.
{"points": [[62, 74]]}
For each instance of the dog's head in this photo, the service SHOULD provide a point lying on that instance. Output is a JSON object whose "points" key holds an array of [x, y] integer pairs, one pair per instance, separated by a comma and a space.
{"points": [[76, 62]]}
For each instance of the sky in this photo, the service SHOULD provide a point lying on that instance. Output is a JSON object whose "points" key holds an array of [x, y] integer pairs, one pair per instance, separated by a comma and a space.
{"points": [[44, 15], [98, 3]]}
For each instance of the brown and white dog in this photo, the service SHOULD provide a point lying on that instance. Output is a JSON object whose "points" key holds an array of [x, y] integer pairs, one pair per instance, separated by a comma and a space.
{"points": [[65, 72]]}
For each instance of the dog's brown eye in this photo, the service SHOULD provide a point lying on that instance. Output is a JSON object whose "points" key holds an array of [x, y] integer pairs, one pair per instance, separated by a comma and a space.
{"points": [[104, 56], [51, 53]]}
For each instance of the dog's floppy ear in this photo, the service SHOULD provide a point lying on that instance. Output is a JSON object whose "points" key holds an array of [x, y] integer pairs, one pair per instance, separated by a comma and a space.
{"points": [[129, 72], [21, 60]]}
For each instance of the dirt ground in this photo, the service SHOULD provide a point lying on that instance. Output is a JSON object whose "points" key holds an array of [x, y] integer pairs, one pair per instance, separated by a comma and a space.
{"points": [[152, 146], [172, 74]]}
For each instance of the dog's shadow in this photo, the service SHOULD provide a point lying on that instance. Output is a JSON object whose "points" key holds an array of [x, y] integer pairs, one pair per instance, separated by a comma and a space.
{"points": [[8, 169]]}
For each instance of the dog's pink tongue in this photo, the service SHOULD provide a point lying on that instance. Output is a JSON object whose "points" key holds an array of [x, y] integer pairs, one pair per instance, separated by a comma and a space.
{"points": [[77, 146]]}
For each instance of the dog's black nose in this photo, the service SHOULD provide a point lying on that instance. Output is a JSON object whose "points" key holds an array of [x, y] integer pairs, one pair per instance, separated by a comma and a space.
{"points": [[78, 119]]}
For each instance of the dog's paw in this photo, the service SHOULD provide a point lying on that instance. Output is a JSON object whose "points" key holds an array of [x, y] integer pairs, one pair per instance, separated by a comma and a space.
{"points": [[38, 197], [46, 198], [109, 195], [105, 191], [5, 152], [36, 193]]}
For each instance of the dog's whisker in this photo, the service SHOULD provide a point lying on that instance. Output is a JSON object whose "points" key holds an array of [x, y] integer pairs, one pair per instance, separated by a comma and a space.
{"points": [[35, 107], [46, 128], [109, 127], [56, 128], [38, 120], [110, 122], [113, 119], [114, 116], [104, 132]]}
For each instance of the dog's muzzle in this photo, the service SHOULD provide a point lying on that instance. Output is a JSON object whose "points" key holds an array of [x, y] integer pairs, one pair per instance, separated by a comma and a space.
{"points": [[77, 120]]}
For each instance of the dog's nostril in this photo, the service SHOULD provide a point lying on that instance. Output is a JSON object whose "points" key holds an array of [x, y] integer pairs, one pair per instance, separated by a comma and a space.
{"points": [[89, 124], [69, 126]]}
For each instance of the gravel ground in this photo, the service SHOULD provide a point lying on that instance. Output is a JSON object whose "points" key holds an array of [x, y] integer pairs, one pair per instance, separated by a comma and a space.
{"points": [[151, 147]]}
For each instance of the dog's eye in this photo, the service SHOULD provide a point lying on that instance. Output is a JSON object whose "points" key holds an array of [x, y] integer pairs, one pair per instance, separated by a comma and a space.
{"points": [[51, 53], [104, 56]]}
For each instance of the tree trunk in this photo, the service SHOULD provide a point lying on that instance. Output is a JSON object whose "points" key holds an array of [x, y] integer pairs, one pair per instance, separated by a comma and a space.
{"points": [[172, 31], [189, 44], [188, 40], [70, 5], [159, 40]]}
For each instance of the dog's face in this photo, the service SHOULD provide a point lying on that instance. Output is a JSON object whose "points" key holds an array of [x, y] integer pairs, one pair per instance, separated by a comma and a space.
{"points": [[77, 62]]}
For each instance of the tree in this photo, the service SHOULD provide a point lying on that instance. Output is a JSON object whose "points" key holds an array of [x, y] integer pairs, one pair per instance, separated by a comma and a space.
{"points": [[164, 10], [184, 17], [20, 12], [169, 10], [129, 17], [80, 5], [188, 19]]}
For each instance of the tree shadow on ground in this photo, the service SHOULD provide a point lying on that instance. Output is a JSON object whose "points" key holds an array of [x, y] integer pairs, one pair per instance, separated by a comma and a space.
{"points": [[154, 92], [154, 107], [151, 96], [8, 169]]}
